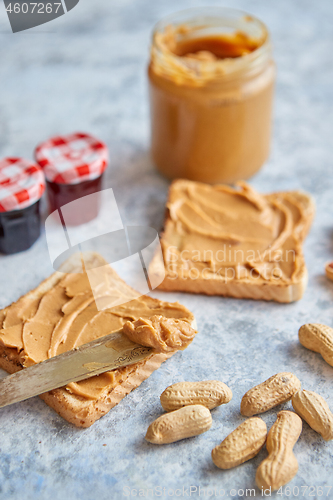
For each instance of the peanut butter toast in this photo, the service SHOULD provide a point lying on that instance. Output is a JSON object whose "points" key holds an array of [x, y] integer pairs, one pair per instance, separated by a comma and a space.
{"points": [[235, 242], [61, 314]]}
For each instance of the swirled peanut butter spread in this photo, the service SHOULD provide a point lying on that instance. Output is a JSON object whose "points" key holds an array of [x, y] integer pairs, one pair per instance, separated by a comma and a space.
{"points": [[233, 235], [65, 316], [190, 48], [163, 334]]}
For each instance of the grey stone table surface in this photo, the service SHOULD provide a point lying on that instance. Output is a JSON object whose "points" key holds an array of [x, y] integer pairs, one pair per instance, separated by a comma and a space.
{"points": [[87, 71]]}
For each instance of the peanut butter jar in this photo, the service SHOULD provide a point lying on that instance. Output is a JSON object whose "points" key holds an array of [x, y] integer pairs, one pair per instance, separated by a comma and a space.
{"points": [[211, 80]]}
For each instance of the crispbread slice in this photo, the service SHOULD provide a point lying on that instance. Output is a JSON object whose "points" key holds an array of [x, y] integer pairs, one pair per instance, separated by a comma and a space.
{"points": [[175, 234], [76, 409]]}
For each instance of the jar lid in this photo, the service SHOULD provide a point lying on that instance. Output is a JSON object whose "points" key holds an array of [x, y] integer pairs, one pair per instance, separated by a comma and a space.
{"points": [[22, 183], [72, 158]]}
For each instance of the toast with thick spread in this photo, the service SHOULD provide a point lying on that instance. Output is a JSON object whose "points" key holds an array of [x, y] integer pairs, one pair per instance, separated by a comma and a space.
{"points": [[61, 314], [235, 242]]}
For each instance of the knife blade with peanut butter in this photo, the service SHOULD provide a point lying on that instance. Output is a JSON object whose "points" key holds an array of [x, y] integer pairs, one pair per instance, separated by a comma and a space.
{"points": [[134, 342]]}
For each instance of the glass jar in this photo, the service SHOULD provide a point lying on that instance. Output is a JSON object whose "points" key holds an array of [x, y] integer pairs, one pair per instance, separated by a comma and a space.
{"points": [[61, 194], [73, 165], [211, 81], [21, 187]]}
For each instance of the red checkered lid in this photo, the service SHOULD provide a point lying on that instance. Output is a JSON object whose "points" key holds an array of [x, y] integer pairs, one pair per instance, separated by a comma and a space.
{"points": [[22, 183], [72, 158]]}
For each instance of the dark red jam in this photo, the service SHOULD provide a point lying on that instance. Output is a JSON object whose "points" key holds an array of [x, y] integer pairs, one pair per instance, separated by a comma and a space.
{"points": [[19, 229], [73, 165], [62, 194]]}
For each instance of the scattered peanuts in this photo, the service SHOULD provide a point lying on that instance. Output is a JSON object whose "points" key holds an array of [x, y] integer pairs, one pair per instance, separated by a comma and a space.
{"points": [[318, 338], [186, 422], [189, 403], [209, 393], [276, 390], [241, 445], [281, 465], [329, 270], [315, 411]]}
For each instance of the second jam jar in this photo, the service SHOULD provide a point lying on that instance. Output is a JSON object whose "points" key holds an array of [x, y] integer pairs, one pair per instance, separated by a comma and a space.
{"points": [[73, 165], [211, 78]]}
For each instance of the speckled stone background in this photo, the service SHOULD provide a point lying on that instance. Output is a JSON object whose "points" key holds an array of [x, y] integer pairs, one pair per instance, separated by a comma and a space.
{"points": [[86, 71]]}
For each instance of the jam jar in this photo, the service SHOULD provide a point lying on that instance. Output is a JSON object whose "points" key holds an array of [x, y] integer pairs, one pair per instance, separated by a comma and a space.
{"points": [[73, 165], [211, 84], [22, 184]]}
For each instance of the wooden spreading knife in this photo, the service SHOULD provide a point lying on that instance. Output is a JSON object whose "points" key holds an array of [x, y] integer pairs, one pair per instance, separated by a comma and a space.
{"points": [[99, 356]]}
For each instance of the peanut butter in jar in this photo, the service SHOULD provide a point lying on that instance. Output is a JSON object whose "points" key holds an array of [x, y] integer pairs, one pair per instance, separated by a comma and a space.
{"points": [[211, 79]]}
